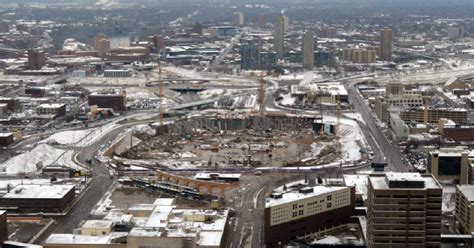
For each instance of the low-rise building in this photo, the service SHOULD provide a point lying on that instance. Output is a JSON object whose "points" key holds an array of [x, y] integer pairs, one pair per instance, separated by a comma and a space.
{"points": [[452, 131], [53, 109], [117, 73], [464, 211], [163, 226], [109, 99], [97, 227], [303, 208], [6, 139], [12, 104], [38, 198]]}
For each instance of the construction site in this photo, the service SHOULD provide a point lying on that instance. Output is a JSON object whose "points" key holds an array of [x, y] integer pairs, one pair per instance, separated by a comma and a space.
{"points": [[224, 139]]}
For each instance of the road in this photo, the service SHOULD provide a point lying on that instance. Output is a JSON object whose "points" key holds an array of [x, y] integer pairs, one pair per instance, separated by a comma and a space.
{"points": [[98, 187], [390, 151], [246, 227]]}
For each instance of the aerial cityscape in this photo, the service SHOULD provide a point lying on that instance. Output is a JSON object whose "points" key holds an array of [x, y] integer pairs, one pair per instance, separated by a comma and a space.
{"points": [[243, 123]]}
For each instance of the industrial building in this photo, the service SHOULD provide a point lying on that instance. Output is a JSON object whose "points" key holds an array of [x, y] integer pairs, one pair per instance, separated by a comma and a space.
{"points": [[403, 210], [306, 208]]}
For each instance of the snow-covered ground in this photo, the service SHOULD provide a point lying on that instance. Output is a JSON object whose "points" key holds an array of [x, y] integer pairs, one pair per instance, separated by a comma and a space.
{"points": [[355, 116], [144, 129], [449, 203], [352, 141], [134, 93], [33, 161], [66, 137], [288, 100], [207, 94]]}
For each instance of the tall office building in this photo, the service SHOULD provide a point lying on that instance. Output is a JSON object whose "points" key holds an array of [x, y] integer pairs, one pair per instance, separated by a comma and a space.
{"points": [[279, 36], [403, 210], [308, 50], [286, 23], [386, 37], [36, 59], [238, 18], [102, 44], [249, 56], [455, 32], [261, 21]]}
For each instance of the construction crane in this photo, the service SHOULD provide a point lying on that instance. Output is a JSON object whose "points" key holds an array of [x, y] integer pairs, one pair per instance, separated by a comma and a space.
{"points": [[338, 123], [161, 94], [261, 96]]}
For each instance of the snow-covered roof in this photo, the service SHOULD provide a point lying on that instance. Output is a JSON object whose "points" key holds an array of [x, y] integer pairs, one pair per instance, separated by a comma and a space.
{"points": [[97, 224], [382, 182], [51, 105], [39, 191], [3, 135], [61, 238], [467, 191], [292, 193]]}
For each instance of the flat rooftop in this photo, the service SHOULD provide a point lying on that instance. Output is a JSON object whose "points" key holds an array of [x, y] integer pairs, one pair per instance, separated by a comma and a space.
{"points": [[35, 191], [292, 193], [467, 191], [407, 180], [97, 224], [61, 238]]}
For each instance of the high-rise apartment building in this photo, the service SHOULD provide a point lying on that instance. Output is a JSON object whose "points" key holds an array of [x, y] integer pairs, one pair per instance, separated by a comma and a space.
{"points": [[102, 44], [238, 19], [249, 56], [308, 50], [403, 210], [279, 36], [36, 59], [261, 21], [455, 32], [386, 36]]}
